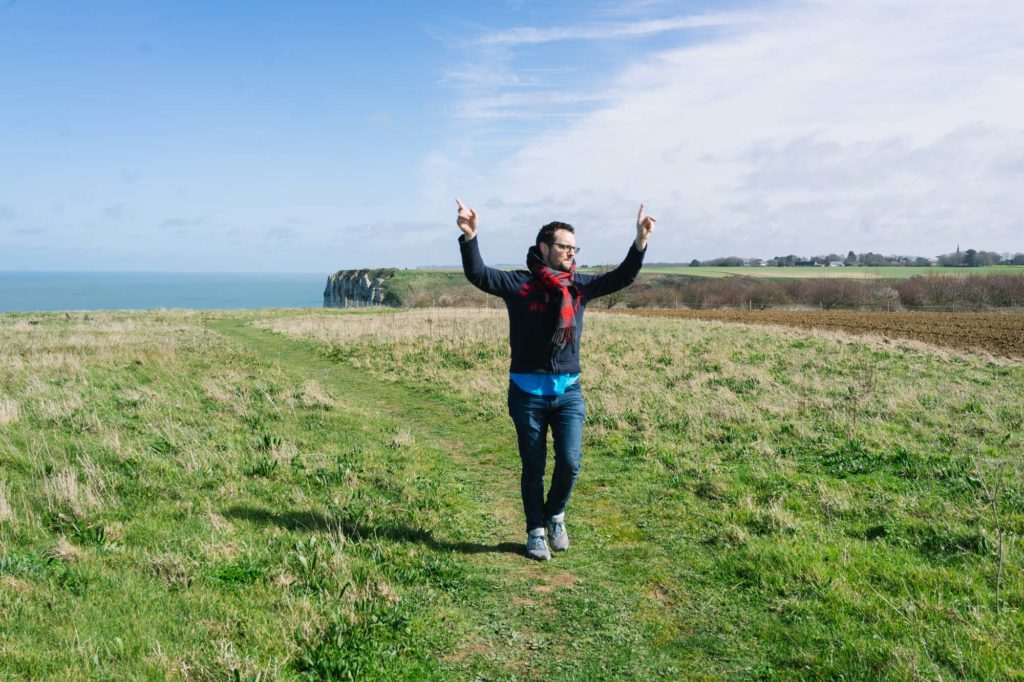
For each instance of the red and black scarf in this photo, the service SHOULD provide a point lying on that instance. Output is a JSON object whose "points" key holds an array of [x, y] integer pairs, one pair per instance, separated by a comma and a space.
{"points": [[561, 283]]}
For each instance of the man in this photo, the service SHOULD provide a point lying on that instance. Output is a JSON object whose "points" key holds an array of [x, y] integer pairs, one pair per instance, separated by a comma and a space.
{"points": [[545, 311]]}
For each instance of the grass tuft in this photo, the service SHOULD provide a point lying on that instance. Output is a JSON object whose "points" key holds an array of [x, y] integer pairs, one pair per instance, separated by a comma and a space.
{"points": [[65, 493], [9, 411], [6, 510]]}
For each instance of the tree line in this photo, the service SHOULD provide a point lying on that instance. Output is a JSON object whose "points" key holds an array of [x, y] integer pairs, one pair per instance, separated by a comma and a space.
{"points": [[969, 258]]}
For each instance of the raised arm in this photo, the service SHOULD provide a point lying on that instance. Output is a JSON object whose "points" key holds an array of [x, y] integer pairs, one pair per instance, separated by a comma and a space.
{"points": [[487, 279], [624, 275], [644, 227], [466, 220]]}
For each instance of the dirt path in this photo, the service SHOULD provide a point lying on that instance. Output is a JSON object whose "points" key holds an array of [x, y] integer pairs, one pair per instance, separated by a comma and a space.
{"points": [[996, 333], [417, 410], [490, 476], [486, 476]]}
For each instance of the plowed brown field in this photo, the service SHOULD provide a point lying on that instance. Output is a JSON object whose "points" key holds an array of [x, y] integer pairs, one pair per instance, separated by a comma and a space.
{"points": [[996, 333]]}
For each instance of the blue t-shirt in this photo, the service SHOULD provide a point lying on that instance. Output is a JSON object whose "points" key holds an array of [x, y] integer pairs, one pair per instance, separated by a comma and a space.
{"points": [[544, 384]]}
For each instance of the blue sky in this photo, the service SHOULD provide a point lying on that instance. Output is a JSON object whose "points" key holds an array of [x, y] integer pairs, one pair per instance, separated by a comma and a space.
{"points": [[314, 136]]}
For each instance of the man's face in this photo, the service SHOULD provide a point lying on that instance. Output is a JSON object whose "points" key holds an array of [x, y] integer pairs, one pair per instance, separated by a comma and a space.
{"points": [[557, 256]]}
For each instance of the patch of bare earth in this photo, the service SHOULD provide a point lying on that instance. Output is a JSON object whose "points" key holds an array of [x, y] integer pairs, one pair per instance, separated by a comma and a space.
{"points": [[660, 596], [468, 649], [555, 581], [1000, 334]]}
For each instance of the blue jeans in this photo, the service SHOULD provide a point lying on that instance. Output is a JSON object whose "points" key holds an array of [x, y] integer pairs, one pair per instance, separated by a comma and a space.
{"points": [[532, 415]]}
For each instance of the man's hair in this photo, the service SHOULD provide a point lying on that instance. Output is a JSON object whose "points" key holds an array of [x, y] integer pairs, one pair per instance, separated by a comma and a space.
{"points": [[547, 233]]}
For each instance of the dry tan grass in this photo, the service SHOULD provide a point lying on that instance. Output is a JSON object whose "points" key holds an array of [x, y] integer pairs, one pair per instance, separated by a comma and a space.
{"points": [[386, 592], [33, 386], [9, 411], [402, 439], [699, 378], [459, 325], [217, 390], [138, 395], [218, 522], [49, 365], [62, 362], [284, 452], [65, 552], [69, 344], [835, 499], [16, 586], [175, 571], [66, 405], [93, 474], [222, 386], [312, 394], [64, 490], [6, 511]]}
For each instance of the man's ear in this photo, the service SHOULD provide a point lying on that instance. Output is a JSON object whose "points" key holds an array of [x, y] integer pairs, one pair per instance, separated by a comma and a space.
{"points": [[544, 249]]}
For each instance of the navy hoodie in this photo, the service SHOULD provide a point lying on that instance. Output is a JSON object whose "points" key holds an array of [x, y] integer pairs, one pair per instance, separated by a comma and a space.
{"points": [[532, 318]]}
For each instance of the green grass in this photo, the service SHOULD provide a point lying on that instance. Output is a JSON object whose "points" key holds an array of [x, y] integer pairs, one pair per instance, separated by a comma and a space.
{"points": [[429, 288], [330, 494]]}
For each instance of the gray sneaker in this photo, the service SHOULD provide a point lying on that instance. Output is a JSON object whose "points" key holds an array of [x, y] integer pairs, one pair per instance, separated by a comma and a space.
{"points": [[556, 531], [537, 548]]}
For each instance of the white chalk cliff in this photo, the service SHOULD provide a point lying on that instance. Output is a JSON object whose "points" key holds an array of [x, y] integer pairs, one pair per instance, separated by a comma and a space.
{"points": [[357, 288]]}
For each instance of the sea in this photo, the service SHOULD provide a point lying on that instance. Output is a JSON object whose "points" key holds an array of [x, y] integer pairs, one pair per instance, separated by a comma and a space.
{"points": [[52, 291]]}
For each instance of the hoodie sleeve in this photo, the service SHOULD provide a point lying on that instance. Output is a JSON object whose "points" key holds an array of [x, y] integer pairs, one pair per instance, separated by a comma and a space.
{"points": [[487, 279], [619, 278]]}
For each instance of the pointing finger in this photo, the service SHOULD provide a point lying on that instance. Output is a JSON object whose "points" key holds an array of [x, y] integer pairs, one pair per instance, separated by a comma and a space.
{"points": [[640, 214], [462, 206]]}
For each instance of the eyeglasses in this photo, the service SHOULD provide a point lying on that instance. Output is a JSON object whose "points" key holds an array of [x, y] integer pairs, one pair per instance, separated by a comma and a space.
{"points": [[566, 247]]}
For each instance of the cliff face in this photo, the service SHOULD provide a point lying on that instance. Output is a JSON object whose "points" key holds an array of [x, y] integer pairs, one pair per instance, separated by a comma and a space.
{"points": [[356, 288]]}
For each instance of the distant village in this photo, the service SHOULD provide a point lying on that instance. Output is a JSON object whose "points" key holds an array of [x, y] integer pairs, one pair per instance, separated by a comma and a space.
{"points": [[960, 259]]}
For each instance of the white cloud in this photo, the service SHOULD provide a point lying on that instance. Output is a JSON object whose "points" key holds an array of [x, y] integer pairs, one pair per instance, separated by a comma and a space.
{"points": [[529, 105], [817, 126], [526, 35]]}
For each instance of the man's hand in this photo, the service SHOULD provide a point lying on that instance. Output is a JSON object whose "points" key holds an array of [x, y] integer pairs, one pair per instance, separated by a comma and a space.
{"points": [[466, 220], [644, 226]]}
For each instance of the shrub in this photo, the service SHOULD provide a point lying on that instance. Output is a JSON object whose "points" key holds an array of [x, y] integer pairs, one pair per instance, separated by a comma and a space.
{"points": [[766, 294], [827, 293], [962, 291]]}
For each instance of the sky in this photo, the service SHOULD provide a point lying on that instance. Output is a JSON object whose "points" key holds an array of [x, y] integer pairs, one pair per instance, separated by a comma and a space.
{"points": [[317, 136]]}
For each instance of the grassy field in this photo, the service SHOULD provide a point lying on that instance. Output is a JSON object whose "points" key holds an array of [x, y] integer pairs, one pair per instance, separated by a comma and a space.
{"points": [[866, 272], [437, 287], [432, 288], [334, 494]]}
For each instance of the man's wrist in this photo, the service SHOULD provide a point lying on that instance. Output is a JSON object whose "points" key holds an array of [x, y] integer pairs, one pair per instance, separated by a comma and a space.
{"points": [[640, 244]]}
